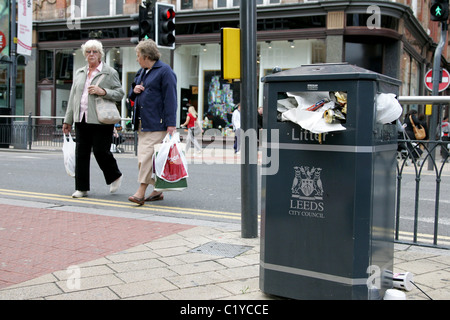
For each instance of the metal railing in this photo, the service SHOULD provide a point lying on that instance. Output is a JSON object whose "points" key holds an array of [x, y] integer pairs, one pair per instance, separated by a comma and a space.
{"points": [[413, 159], [27, 132], [424, 161]]}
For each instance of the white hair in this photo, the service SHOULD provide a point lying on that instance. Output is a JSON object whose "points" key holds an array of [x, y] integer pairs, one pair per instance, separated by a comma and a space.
{"points": [[93, 44]]}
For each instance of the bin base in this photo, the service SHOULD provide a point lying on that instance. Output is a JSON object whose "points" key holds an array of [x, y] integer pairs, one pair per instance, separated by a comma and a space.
{"points": [[295, 286]]}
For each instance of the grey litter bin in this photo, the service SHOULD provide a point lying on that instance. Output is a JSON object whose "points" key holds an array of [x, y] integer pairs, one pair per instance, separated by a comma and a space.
{"points": [[328, 211], [5, 128], [19, 134]]}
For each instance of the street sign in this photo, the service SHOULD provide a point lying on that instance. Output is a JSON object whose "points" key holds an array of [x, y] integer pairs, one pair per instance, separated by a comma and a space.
{"points": [[2, 41], [443, 82]]}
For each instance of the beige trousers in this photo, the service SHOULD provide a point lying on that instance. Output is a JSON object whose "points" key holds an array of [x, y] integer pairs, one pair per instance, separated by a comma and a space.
{"points": [[146, 147]]}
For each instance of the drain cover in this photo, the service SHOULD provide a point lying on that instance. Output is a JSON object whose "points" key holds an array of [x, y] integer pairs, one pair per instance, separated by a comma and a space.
{"points": [[221, 249]]}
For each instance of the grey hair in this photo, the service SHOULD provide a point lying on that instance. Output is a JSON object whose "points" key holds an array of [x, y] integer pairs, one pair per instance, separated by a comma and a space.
{"points": [[93, 44], [149, 49]]}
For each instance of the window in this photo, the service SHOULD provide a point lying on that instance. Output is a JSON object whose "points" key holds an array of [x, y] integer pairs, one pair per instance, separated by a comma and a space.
{"points": [[45, 65], [186, 4], [360, 20], [95, 8], [365, 55], [219, 4]]}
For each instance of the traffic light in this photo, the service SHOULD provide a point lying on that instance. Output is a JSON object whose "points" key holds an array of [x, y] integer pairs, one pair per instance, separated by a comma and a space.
{"points": [[146, 23], [135, 29], [439, 10], [144, 27], [165, 25]]}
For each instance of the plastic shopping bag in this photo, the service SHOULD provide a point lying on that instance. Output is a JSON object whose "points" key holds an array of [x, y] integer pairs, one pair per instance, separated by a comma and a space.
{"points": [[388, 108], [170, 163], [69, 155]]}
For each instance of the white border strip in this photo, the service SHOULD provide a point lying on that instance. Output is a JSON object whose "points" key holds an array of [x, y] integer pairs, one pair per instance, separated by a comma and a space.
{"points": [[313, 274], [335, 148]]}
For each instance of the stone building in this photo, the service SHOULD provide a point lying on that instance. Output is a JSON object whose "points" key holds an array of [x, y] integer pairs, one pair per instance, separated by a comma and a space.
{"points": [[395, 38]]}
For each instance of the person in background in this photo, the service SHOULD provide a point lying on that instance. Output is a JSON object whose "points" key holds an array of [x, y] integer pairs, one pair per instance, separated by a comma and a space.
{"points": [[154, 93], [236, 121], [445, 129], [413, 148], [91, 135], [190, 123], [260, 122], [423, 123]]}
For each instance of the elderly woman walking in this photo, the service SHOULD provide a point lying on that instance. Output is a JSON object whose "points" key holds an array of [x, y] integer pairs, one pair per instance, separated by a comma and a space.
{"points": [[90, 133], [154, 92]]}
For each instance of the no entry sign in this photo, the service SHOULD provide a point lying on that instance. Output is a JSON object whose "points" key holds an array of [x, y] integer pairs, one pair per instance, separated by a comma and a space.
{"points": [[2, 41], [443, 82]]}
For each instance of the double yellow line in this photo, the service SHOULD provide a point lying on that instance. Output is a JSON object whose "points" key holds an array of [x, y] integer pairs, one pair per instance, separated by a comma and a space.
{"points": [[122, 204], [424, 238], [407, 236]]}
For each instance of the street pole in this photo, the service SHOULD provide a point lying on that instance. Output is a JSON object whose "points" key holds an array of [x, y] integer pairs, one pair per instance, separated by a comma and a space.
{"points": [[13, 48], [436, 111], [249, 173]]}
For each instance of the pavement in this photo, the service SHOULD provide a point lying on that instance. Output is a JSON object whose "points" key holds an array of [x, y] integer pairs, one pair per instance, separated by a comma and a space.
{"points": [[77, 253], [89, 254]]}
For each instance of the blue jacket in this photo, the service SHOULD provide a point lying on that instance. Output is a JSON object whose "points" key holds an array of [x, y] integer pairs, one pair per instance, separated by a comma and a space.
{"points": [[156, 106]]}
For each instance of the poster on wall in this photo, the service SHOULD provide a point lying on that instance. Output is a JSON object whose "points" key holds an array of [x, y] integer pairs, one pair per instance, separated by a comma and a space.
{"points": [[220, 99], [24, 27]]}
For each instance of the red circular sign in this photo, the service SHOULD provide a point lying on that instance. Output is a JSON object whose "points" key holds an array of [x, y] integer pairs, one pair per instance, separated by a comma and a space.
{"points": [[2, 41], [443, 82]]}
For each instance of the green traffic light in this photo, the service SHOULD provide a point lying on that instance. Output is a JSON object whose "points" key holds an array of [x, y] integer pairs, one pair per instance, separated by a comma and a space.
{"points": [[438, 11]]}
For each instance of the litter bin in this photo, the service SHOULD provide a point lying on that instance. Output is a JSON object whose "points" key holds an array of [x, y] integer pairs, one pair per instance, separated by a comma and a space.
{"points": [[328, 211], [19, 134], [5, 128]]}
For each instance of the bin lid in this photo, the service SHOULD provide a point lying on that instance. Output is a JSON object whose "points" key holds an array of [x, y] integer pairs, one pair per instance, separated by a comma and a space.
{"points": [[328, 71]]}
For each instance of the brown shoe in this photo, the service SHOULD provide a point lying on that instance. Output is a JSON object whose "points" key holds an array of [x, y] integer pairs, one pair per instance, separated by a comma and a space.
{"points": [[139, 201], [155, 197]]}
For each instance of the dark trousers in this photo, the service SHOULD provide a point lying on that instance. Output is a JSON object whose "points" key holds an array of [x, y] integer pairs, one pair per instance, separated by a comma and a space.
{"points": [[95, 137], [444, 149]]}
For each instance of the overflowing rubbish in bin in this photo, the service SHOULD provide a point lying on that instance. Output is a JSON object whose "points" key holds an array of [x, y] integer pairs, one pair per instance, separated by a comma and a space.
{"points": [[320, 112]]}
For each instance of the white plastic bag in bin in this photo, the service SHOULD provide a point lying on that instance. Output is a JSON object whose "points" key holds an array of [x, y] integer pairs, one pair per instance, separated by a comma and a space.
{"points": [[312, 121], [388, 108]]}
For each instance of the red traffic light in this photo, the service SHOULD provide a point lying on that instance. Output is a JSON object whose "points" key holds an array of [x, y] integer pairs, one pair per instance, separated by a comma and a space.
{"points": [[169, 14], [165, 25]]}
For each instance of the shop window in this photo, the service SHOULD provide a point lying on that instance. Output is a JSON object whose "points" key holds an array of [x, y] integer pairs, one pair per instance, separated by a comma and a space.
{"points": [[410, 73], [45, 65], [4, 86], [63, 73], [64, 65], [220, 99]]}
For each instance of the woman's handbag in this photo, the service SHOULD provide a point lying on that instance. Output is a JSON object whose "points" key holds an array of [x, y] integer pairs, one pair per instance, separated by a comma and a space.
{"points": [[107, 112], [419, 130]]}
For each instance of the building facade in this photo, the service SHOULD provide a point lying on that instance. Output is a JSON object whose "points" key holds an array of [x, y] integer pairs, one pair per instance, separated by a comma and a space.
{"points": [[395, 38]]}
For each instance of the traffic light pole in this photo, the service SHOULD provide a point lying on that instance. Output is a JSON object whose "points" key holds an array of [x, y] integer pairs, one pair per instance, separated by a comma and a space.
{"points": [[13, 54], [249, 173], [436, 111]]}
